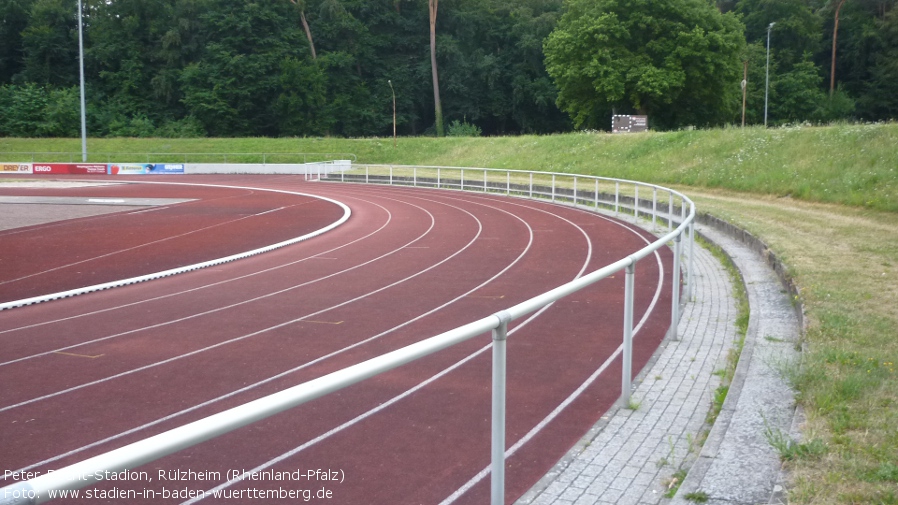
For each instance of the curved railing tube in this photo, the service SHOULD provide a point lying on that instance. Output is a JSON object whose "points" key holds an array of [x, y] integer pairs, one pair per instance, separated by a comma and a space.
{"points": [[562, 188]]}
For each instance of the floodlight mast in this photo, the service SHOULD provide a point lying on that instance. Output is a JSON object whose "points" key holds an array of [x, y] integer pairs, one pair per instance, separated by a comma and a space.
{"points": [[394, 111], [81, 72]]}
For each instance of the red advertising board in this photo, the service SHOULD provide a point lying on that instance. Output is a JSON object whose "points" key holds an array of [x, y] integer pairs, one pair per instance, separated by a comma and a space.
{"points": [[69, 168]]}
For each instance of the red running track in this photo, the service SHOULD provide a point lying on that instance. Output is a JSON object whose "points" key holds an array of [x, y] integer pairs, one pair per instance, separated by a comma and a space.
{"points": [[98, 371]]}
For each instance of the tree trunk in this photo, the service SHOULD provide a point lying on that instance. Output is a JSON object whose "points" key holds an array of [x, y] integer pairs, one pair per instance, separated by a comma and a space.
{"points": [[437, 106], [832, 72], [305, 26]]}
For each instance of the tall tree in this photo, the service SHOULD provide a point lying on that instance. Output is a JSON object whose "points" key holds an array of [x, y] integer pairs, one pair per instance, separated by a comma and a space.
{"points": [[14, 16], [832, 75], [249, 54], [796, 90], [798, 29], [879, 100], [50, 43], [675, 60], [860, 44], [126, 52], [437, 105], [305, 25]]}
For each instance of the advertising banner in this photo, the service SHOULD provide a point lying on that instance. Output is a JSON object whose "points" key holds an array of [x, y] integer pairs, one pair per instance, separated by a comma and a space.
{"points": [[69, 168], [166, 168], [15, 168], [145, 168], [128, 168]]}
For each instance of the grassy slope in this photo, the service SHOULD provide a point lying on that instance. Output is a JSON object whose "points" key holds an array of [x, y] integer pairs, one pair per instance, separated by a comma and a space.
{"points": [[825, 199], [846, 261], [851, 164]]}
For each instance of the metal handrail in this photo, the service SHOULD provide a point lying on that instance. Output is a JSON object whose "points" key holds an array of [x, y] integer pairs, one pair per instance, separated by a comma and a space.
{"points": [[122, 157], [81, 474]]}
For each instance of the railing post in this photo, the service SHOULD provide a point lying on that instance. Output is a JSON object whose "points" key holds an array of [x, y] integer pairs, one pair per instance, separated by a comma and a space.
{"points": [[636, 201], [553, 187], [654, 207], [682, 211], [391, 175], [670, 211], [500, 339], [463, 179], [366, 174], [616, 198], [575, 191], [438, 178], [675, 304], [689, 291], [627, 368], [415, 176], [596, 200], [531, 184], [484, 181], [507, 183]]}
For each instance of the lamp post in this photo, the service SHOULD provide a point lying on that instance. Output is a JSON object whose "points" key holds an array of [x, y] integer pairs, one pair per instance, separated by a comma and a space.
{"points": [[394, 112], [767, 83], [81, 72], [744, 88]]}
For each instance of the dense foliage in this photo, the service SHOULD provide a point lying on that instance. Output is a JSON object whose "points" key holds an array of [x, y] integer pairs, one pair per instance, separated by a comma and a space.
{"points": [[183, 68], [675, 61]]}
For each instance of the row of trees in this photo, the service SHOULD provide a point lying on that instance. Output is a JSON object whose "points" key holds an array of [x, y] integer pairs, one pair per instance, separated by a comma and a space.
{"points": [[681, 61], [830, 59], [329, 67]]}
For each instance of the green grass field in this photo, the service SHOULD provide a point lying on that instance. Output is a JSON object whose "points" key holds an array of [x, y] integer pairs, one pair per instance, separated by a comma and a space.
{"points": [[824, 198]]}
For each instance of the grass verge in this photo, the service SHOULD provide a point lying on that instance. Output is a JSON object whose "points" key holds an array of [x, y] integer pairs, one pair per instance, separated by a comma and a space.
{"points": [[844, 259]]}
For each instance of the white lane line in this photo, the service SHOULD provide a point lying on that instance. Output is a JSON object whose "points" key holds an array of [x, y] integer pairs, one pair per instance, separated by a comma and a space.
{"points": [[274, 210], [567, 401], [218, 283], [221, 308], [522, 441], [576, 393], [98, 443], [298, 368], [246, 336], [420, 385]]}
